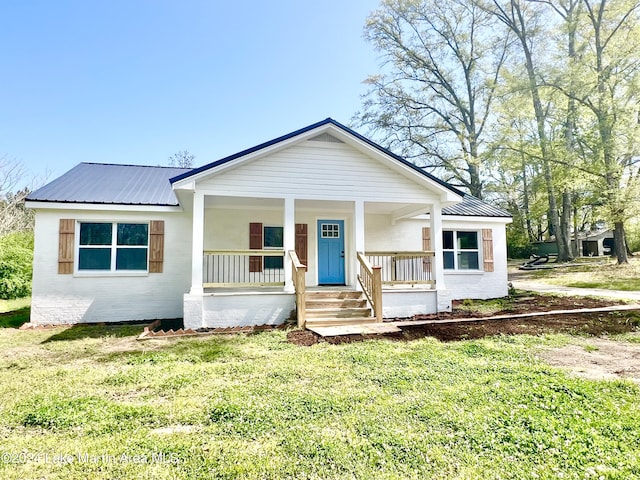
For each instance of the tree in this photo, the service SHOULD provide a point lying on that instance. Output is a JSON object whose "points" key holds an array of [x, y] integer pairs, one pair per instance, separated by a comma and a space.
{"points": [[603, 80], [614, 61], [14, 217], [443, 61], [523, 19], [182, 159]]}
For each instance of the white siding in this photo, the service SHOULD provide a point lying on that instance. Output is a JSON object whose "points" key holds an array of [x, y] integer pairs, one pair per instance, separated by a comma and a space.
{"points": [[480, 285], [381, 234], [407, 235], [229, 228], [318, 170], [62, 299]]}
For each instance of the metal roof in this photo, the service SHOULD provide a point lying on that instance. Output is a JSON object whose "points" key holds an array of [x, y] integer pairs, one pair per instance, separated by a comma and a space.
{"points": [[111, 184], [474, 207], [100, 183]]}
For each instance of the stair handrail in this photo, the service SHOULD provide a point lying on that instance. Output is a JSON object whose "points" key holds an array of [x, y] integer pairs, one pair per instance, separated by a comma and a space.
{"points": [[370, 279], [299, 271]]}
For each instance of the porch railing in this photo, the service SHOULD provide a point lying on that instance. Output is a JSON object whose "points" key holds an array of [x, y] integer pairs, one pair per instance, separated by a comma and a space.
{"points": [[370, 280], [409, 268], [299, 283], [242, 268]]}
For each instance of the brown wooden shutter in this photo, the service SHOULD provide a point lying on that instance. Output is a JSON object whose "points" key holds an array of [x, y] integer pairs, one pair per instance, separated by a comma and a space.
{"points": [[426, 247], [156, 246], [301, 242], [487, 249], [255, 243], [66, 245]]}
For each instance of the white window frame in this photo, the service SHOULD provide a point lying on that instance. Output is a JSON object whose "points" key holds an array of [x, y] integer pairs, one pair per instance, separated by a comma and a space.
{"points": [[455, 250], [264, 247], [114, 250]]}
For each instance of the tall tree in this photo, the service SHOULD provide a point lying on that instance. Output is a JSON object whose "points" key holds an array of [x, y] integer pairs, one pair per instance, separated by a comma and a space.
{"points": [[522, 19], [434, 99], [613, 41]]}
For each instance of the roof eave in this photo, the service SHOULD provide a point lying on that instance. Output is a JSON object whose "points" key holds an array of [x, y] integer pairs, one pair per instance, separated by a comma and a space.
{"points": [[67, 205]]}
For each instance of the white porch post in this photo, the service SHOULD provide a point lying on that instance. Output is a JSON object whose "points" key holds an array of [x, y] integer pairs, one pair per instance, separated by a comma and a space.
{"points": [[444, 298], [358, 225], [197, 245], [289, 241], [436, 244], [358, 228]]}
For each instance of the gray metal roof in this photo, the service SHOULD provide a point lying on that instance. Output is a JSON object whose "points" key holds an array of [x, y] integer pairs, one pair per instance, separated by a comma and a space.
{"points": [[143, 185], [474, 207], [111, 184]]}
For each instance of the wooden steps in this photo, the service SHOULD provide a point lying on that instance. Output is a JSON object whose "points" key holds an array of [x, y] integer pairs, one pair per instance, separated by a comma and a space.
{"points": [[328, 308]]}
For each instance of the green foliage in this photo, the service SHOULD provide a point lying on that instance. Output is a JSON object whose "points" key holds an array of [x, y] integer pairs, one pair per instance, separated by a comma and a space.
{"points": [[633, 235], [518, 244], [16, 265]]}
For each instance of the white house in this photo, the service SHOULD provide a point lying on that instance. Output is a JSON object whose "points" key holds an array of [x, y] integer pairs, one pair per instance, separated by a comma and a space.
{"points": [[322, 222]]}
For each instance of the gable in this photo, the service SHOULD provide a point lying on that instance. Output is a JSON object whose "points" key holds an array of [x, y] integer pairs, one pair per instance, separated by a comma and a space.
{"points": [[321, 167], [325, 131]]}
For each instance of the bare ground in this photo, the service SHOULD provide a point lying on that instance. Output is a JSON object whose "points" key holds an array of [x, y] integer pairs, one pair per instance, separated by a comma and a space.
{"points": [[598, 359]]}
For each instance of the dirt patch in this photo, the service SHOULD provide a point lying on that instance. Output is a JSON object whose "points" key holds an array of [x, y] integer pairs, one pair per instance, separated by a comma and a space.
{"points": [[304, 338], [522, 304], [594, 324], [598, 359], [577, 324]]}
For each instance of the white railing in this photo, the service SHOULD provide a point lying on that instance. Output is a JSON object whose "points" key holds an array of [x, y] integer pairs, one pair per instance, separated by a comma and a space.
{"points": [[371, 283], [410, 268], [240, 268], [299, 272]]}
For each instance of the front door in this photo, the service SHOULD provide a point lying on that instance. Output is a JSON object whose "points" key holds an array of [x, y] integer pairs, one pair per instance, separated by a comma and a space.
{"points": [[331, 252]]}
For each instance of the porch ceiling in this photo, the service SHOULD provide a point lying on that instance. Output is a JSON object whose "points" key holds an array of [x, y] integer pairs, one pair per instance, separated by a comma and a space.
{"points": [[302, 204]]}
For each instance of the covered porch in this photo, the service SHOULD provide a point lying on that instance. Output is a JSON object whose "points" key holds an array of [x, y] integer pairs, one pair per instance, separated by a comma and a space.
{"points": [[255, 260]]}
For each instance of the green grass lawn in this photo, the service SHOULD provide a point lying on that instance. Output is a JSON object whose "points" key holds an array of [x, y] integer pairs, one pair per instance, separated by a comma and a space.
{"points": [[590, 273], [92, 402], [14, 313]]}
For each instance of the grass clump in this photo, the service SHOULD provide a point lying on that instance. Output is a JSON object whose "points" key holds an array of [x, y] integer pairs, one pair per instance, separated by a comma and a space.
{"points": [[13, 313]]}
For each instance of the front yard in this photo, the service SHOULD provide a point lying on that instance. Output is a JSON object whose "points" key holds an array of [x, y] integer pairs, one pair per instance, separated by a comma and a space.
{"points": [[92, 402], [595, 272]]}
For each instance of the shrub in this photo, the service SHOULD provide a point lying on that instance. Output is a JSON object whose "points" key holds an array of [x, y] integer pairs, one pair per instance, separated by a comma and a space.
{"points": [[633, 236], [16, 265]]}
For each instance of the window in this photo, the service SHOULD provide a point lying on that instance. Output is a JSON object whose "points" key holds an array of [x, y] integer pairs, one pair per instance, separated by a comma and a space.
{"points": [[272, 239], [112, 247], [460, 250], [330, 230]]}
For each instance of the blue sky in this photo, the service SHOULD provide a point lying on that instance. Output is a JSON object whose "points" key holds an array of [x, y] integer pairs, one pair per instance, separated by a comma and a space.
{"points": [[134, 81]]}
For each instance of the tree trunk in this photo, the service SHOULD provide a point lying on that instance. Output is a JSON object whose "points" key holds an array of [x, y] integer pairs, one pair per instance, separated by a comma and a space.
{"points": [[619, 243], [576, 247], [525, 200], [564, 235]]}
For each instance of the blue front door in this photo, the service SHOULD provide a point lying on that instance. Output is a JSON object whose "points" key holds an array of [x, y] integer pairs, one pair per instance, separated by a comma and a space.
{"points": [[331, 252]]}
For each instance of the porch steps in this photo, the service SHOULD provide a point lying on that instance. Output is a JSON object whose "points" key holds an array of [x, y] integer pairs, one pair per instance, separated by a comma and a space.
{"points": [[328, 308]]}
